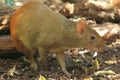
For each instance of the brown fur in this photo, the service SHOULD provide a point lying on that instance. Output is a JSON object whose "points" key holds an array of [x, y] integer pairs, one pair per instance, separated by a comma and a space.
{"points": [[35, 27]]}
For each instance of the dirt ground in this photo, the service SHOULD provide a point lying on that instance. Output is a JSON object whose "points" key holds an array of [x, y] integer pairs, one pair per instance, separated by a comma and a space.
{"points": [[80, 68]]}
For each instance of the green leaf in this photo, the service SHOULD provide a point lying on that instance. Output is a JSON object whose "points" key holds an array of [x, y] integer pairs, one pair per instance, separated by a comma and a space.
{"points": [[9, 2], [77, 60], [23, 58]]}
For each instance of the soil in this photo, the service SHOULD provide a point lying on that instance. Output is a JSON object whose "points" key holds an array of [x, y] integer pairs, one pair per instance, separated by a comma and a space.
{"points": [[80, 68]]}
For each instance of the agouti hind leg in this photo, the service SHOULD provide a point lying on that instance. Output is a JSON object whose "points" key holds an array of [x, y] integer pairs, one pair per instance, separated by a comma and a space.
{"points": [[60, 58], [30, 55], [42, 53]]}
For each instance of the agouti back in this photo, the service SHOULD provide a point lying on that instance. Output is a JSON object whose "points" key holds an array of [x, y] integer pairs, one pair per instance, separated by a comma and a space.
{"points": [[35, 27]]}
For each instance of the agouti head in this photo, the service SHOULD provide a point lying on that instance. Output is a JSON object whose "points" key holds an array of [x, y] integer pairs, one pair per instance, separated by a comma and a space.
{"points": [[86, 37], [35, 27]]}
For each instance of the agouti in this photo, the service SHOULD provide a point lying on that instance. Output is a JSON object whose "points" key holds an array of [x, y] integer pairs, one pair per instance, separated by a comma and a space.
{"points": [[36, 28]]}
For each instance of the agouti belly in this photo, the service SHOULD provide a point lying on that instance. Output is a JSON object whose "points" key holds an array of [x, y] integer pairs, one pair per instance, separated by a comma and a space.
{"points": [[35, 27]]}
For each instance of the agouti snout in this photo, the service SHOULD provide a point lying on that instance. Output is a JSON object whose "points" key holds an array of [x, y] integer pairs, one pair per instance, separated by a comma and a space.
{"points": [[35, 27]]}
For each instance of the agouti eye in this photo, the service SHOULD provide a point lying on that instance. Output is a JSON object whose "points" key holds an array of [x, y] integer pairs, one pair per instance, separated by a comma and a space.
{"points": [[92, 38]]}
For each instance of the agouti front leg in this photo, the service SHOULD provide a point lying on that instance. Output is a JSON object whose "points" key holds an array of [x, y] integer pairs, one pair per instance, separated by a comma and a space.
{"points": [[60, 58]]}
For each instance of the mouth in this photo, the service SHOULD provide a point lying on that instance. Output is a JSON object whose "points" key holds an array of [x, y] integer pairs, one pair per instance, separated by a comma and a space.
{"points": [[99, 49]]}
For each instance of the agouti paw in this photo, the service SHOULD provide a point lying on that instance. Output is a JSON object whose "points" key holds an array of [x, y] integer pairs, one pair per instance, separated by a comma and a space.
{"points": [[34, 66], [67, 73]]}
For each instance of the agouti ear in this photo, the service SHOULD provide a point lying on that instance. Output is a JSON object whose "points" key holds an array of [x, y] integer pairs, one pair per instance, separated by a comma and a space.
{"points": [[81, 25]]}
